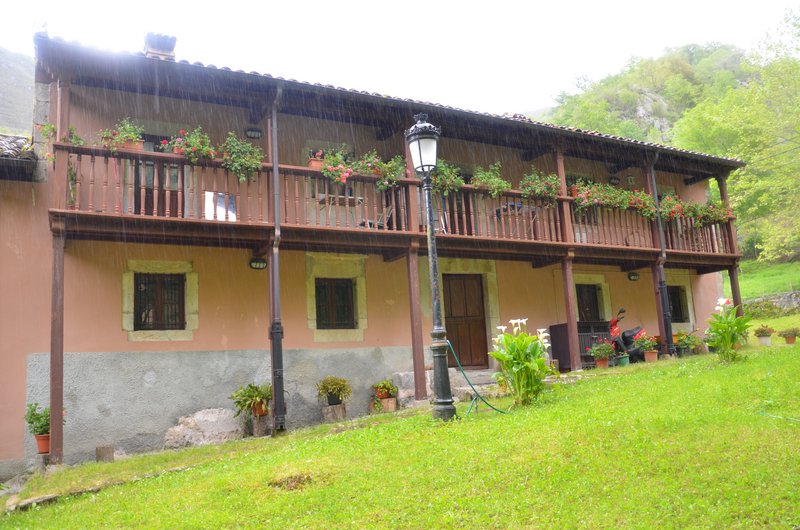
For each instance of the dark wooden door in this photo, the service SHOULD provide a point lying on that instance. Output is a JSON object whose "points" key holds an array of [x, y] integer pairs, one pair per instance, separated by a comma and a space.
{"points": [[588, 302], [465, 319]]}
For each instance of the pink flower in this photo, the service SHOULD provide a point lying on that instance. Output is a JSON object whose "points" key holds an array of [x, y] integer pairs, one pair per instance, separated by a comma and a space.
{"points": [[182, 133], [164, 142]]}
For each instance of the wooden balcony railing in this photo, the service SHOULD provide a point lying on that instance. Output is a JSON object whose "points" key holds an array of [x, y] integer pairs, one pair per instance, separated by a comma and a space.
{"points": [[162, 185]]}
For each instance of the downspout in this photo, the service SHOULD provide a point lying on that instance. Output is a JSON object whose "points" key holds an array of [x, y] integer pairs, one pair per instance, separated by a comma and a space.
{"points": [[662, 258], [276, 329]]}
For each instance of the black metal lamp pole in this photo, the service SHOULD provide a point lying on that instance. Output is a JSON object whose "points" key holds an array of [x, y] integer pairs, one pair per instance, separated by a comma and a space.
{"points": [[422, 140]]}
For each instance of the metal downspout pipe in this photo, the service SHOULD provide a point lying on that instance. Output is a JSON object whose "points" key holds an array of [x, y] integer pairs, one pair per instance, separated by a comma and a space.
{"points": [[662, 258], [276, 329]]}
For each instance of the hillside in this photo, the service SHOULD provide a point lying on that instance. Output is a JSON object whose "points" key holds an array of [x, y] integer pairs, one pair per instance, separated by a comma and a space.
{"points": [[16, 92]]}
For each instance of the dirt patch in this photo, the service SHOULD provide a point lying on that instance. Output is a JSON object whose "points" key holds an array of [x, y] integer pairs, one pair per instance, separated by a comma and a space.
{"points": [[292, 482]]}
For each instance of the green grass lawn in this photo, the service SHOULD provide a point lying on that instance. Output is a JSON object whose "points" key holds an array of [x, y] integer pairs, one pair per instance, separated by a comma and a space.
{"points": [[760, 279], [686, 443]]}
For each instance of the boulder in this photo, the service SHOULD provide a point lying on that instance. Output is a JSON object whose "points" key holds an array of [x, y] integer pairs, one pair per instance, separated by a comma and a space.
{"points": [[209, 426]]}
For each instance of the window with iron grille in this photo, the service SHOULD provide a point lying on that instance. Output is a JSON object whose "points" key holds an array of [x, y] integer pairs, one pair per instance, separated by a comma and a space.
{"points": [[158, 302], [335, 303], [678, 306]]}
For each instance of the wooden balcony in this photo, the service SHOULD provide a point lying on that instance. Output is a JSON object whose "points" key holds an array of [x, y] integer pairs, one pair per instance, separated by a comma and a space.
{"points": [[158, 197]]}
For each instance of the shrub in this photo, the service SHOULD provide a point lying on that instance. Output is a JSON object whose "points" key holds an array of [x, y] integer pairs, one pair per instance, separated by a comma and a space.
{"points": [[788, 333], [334, 386], [245, 398], [491, 180], [446, 178], [762, 309], [538, 186], [241, 158], [763, 331], [725, 329], [523, 361], [688, 341]]}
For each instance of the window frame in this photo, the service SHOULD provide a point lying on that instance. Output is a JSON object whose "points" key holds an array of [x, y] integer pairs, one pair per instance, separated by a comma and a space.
{"points": [[339, 294], [160, 285]]}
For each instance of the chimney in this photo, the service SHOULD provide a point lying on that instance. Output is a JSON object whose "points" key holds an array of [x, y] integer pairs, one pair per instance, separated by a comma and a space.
{"points": [[158, 46]]}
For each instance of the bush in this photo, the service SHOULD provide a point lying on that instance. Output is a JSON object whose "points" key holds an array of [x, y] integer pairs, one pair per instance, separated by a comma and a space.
{"points": [[334, 386], [523, 361], [725, 330], [241, 158], [491, 180], [763, 331], [245, 398]]}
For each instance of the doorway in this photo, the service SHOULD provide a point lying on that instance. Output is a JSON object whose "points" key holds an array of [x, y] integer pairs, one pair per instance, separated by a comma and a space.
{"points": [[465, 319]]}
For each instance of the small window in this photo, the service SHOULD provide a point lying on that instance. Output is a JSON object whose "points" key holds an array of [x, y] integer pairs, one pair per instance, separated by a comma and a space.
{"points": [[335, 307], [678, 307], [159, 302]]}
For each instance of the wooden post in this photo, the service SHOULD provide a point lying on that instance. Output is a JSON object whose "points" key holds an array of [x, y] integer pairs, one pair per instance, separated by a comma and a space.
{"points": [[567, 234], [57, 348], [733, 274], [60, 181], [570, 304], [417, 352], [62, 110], [657, 270], [722, 184]]}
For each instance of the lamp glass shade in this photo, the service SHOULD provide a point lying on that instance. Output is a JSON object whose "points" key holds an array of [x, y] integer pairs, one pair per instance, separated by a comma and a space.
{"points": [[422, 139]]}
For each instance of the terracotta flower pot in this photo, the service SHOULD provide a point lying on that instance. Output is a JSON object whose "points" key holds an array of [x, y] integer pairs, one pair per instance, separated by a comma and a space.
{"points": [[601, 363], [790, 340], [573, 191], [315, 164], [134, 146], [381, 394], [651, 356], [260, 410], [43, 443]]}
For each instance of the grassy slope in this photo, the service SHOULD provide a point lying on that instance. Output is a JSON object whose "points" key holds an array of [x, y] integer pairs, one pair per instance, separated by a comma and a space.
{"points": [[759, 279], [683, 443]]}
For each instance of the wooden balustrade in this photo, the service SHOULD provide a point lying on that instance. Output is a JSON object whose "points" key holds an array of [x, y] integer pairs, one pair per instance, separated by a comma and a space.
{"points": [[148, 184]]}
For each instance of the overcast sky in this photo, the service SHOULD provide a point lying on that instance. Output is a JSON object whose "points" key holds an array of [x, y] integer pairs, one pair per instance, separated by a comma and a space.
{"points": [[494, 56]]}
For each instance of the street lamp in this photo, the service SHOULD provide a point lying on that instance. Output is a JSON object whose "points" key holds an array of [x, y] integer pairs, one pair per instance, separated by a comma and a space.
{"points": [[422, 139]]}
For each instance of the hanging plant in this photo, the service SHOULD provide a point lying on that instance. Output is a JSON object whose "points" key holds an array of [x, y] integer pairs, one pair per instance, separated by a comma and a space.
{"points": [[446, 178], [391, 172], [241, 158], [491, 180], [538, 186]]}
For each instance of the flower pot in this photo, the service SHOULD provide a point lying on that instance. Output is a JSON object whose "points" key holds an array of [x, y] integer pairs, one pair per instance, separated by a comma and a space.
{"points": [[334, 400], [381, 394], [573, 191], [601, 363], [315, 164], [43, 443], [765, 341], [134, 146], [651, 356], [623, 360], [260, 410], [790, 340]]}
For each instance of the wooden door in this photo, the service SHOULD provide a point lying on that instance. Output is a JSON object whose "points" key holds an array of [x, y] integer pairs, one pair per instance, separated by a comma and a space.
{"points": [[465, 319]]}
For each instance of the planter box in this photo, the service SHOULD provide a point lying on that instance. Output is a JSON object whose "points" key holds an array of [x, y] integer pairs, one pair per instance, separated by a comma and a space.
{"points": [[333, 413], [651, 356], [389, 405], [765, 341]]}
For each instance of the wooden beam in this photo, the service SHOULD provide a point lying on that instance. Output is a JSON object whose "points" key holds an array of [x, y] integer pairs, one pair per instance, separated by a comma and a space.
{"points": [[57, 348], [527, 155], [543, 261], [570, 304], [393, 255], [567, 235], [62, 110], [417, 351], [736, 294]]}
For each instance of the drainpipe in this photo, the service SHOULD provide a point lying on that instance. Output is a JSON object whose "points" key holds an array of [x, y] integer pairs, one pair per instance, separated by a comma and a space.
{"points": [[662, 258], [276, 329]]}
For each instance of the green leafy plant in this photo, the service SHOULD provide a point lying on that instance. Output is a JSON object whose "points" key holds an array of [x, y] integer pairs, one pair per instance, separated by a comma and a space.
{"points": [[687, 342], [763, 331], [386, 388], [38, 420], [523, 361], [538, 186], [646, 343], [73, 138], [491, 180], [602, 349], [246, 398], [446, 178], [48, 131], [195, 145], [338, 387], [336, 166], [789, 333], [124, 131], [726, 329], [377, 406], [391, 172], [241, 158]]}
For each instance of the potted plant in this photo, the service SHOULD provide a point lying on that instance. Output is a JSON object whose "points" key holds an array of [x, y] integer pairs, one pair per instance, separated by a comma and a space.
{"points": [[648, 345], [385, 389], [491, 180], [125, 134], [336, 166], [334, 389], [789, 335], [764, 334], [686, 343], [194, 145], [391, 172], [538, 186], [601, 350], [726, 330], [446, 178], [241, 158], [315, 158], [38, 421], [252, 399]]}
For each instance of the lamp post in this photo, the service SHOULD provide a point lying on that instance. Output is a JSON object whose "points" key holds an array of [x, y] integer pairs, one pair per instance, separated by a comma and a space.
{"points": [[422, 140]]}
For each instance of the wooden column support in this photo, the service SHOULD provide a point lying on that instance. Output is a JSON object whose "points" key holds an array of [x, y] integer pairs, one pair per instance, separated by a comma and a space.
{"points": [[417, 351], [733, 274], [57, 349], [567, 234], [570, 303], [722, 184]]}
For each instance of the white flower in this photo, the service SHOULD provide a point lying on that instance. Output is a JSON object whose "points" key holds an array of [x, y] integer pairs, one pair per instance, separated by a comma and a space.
{"points": [[502, 328], [722, 301], [718, 308], [524, 321], [541, 330]]}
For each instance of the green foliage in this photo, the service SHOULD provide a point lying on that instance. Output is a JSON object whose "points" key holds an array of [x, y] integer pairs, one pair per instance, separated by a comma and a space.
{"points": [[592, 194], [602, 349], [725, 330], [241, 158], [523, 361], [386, 386], [688, 342], [538, 186], [124, 131], [247, 397], [763, 331], [491, 179], [789, 332], [48, 131], [762, 309], [446, 178], [391, 172], [334, 386], [195, 145], [336, 166], [38, 420], [646, 343]]}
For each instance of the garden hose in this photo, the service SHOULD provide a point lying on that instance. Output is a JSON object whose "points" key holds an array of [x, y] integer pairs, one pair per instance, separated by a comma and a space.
{"points": [[476, 394]]}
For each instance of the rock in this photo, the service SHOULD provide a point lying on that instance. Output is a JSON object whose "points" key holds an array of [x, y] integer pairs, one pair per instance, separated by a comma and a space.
{"points": [[204, 427]]}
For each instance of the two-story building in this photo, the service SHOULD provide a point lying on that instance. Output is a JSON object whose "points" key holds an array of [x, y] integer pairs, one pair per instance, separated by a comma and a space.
{"points": [[131, 292]]}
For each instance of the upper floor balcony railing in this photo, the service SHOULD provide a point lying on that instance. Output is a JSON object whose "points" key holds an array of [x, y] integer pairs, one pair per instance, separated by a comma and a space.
{"points": [[129, 183]]}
